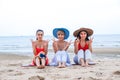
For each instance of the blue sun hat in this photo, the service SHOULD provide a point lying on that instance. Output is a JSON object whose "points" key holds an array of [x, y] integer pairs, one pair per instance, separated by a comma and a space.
{"points": [[61, 29]]}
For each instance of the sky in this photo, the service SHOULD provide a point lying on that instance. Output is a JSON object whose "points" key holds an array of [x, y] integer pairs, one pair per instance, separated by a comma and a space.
{"points": [[24, 17]]}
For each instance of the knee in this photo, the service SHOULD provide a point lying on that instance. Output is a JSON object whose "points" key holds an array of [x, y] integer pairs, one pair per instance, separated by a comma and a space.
{"points": [[58, 52], [87, 51], [80, 51]]}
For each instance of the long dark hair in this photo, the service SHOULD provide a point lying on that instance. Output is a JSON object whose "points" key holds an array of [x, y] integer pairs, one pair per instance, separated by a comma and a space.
{"points": [[86, 39], [38, 31]]}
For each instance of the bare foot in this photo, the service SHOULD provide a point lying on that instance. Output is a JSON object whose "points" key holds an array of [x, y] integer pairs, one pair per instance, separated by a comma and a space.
{"points": [[83, 65], [63, 66], [82, 62], [87, 65], [59, 66], [43, 66], [39, 67]]}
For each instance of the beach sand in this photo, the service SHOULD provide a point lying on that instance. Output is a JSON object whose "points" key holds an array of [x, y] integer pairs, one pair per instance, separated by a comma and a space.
{"points": [[106, 68]]}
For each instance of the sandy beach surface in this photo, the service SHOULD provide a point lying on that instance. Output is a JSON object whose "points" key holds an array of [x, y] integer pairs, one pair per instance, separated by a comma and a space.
{"points": [[107, 67]]}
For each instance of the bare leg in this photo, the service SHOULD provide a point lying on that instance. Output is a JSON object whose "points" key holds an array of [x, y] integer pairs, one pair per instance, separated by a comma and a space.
{"points": [[37, 60], [59, 65], [82, 62], [43, 62], [63, 65], [86, 64]]}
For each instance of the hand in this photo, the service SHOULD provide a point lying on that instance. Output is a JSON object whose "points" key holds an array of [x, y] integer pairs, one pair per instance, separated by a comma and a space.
{"points": [[47, 41], [33, 42], [91, 40], [70, 42], [54, 41], [77, 41]]}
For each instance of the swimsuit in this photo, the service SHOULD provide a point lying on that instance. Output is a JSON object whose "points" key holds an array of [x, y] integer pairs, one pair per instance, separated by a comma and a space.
{"points": [[83, 52], [83, 48], [38, 50]]}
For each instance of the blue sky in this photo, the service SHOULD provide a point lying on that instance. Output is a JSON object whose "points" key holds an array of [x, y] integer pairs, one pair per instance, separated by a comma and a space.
{"points": [[24, 17]]}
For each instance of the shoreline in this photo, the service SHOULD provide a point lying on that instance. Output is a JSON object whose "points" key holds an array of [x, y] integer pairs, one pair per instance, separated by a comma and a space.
{"points": [[106, 50], [96, 51]]}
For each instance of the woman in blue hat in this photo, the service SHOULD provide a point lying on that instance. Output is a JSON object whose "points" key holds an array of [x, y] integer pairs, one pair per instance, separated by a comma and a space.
{"points": [[60, 46]]}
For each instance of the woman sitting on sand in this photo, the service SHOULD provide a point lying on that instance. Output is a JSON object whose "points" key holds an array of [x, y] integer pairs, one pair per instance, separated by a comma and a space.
{"points": [[60, 46], [40, 49], [83, 46]]}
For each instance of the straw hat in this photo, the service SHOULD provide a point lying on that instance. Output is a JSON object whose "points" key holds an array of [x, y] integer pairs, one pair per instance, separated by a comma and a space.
{"points": [[88, 30], [61, 29]]}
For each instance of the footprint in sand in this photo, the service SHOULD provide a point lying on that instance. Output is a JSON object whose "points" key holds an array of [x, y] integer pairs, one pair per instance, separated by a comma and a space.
{"points": [[10, 70], [36, 78], [16, 74], [19, 73], [116, 72], [86, 78], [6, 71], [79, 78], [92, 78], [13, 64], [116, 75], [99, 74]]}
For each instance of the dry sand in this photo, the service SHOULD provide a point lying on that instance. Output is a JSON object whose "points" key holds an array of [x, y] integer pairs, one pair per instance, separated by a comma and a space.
{"points": [[106, 68]]}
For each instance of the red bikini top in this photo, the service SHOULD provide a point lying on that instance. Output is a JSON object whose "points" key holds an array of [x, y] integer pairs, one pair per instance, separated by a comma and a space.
{"points": [[83, 48], [38, 50]]}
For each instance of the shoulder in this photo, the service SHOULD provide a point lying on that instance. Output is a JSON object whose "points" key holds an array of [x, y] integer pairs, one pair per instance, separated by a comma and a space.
{"points": [[34, 42], [88, 42], [66, 42], [45, 42], [56, 41]]}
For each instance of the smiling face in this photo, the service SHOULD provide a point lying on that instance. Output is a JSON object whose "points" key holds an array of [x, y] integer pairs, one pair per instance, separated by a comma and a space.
{"points": [[60, 35], [83, 35], [39, 35]]}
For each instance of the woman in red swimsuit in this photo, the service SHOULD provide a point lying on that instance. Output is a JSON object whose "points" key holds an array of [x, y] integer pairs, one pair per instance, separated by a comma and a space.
{"points": [[40, 49], [83, 46]]}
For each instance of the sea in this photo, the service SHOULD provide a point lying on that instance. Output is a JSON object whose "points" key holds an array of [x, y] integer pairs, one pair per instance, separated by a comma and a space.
{"points": [[22, 44]]}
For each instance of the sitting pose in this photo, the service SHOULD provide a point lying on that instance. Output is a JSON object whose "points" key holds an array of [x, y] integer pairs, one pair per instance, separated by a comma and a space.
{"points": [[40, 49], [60, 46], [83, 46]]}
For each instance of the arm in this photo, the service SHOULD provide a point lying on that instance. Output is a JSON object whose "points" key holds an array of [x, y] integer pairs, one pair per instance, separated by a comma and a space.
{"points": [[90, 44], [33, 46], [76, 42], [55, 46], [46, 47], [90, 47], [67, 45]]}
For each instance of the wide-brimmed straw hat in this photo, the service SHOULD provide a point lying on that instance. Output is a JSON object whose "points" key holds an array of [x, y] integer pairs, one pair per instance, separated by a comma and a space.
{"points": [[66, 32], [88, 30]]}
